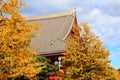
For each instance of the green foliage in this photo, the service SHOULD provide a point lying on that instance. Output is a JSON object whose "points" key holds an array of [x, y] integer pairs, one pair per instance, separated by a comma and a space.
{"points": [[48, 71], [119, 70]]}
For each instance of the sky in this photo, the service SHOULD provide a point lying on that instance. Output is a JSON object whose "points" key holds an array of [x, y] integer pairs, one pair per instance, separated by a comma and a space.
{"points": [[103, 16]]}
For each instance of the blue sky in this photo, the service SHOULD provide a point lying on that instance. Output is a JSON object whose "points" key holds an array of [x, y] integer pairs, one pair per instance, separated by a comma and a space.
{"points": [[102, 15]]}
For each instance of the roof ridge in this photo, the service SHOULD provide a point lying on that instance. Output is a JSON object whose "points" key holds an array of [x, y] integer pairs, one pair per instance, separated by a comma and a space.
{"points": [[55, 51], [71, 12]]}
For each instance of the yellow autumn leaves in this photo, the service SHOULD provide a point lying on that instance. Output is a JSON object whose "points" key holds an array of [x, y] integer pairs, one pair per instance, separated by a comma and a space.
{"points": [[86, 58], [11, 6], [16, 58]]}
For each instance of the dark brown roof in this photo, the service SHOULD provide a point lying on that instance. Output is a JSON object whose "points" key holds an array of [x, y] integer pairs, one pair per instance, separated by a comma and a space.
{"points": [[54, 30]]}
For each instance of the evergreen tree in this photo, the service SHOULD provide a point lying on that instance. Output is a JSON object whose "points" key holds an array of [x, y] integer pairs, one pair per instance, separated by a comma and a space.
{"points": [[48, 71]]}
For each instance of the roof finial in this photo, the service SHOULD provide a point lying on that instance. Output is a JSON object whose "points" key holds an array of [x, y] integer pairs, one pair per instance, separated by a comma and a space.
{"points": [[74, 10]]}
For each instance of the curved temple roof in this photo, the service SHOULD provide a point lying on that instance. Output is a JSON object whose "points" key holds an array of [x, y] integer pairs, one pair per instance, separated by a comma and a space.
{"points": [[54, 29]]}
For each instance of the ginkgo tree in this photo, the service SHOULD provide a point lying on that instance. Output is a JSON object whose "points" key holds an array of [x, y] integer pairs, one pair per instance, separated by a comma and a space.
{"points": [[86, 58], [16, 57]]}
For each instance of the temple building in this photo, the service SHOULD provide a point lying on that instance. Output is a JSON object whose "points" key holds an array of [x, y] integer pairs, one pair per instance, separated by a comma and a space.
{"points": [[54, 29]]}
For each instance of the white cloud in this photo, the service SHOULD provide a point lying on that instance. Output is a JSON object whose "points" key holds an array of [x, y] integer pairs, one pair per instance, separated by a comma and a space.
{"points": [[109, 1], [42, 7], [38, 7], [111, 7], [114, 55], [105, 26], [57, 3]]}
